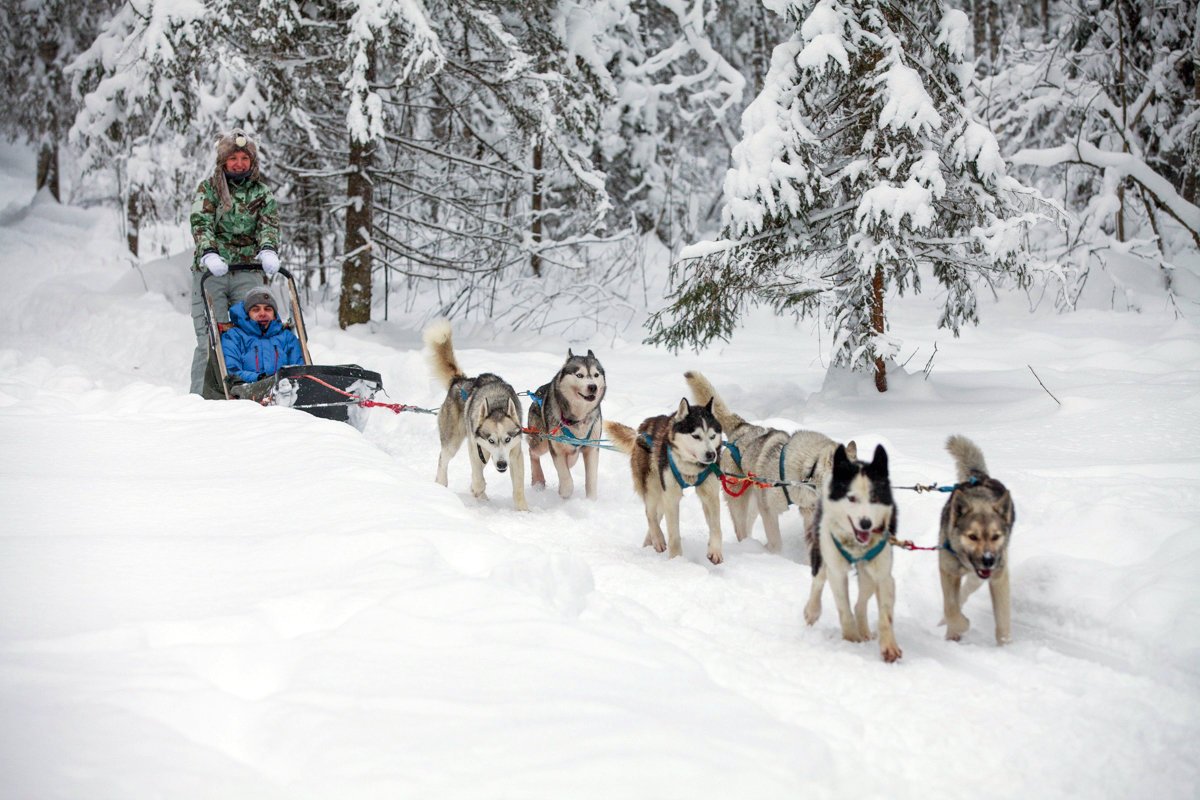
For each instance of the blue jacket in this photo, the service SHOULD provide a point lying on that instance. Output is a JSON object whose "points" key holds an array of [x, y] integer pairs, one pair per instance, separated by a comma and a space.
{"points": [[250, 351]]}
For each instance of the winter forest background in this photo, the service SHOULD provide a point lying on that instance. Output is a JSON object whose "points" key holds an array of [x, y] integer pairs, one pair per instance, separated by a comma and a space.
{"points": [[520, 161]]}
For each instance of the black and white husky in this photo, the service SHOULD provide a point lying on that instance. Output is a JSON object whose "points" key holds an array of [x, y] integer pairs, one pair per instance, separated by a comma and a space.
{"points": [[853, 526], [670, 453], [568, 408], [483, 409]]}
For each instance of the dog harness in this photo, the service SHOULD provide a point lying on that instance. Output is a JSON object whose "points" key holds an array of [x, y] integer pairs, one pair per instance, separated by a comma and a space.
{"points": [[783, 478], [647, 441], [867, 556]]}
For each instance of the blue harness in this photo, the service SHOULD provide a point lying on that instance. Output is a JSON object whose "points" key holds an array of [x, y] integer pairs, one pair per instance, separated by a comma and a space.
{"points": [[867, 556], [711, 469]]}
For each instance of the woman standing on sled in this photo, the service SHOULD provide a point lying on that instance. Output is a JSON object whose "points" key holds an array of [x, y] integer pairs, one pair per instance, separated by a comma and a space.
{"points": [[234, 220]]}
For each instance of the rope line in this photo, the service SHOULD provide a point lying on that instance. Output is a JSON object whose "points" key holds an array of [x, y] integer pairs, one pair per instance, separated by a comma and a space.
{"points": [[362, 401]]}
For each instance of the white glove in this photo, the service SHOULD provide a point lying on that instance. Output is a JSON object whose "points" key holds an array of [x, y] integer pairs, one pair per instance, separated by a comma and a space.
{"points": [[214, 264], [270, 262]]}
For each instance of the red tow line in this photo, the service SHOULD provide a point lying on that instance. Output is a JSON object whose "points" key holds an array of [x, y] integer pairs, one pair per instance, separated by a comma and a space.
{"points": [[395, 407]]}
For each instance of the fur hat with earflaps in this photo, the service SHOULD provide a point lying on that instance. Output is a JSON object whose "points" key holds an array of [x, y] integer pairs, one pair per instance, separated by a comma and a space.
{"points": [[228, 144], [260, 295]]}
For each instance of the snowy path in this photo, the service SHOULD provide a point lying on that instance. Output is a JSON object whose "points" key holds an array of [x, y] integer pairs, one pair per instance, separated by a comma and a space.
{"points": [[219, 600]]}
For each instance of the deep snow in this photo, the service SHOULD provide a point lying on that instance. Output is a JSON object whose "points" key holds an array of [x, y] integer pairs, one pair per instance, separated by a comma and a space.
{"points": [[209, 599]]}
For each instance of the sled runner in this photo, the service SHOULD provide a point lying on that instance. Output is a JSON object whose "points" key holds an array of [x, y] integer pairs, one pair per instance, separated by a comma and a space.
{"points": [[329, 392]]}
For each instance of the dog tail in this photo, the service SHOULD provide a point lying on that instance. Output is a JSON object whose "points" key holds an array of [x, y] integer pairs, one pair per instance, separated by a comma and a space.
{"points": [[703, 391], [967, 456], [623, 437], [441, 352]]}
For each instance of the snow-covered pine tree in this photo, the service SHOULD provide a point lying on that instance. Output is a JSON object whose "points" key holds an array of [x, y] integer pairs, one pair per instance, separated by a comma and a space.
{"points": [[860, 164]]}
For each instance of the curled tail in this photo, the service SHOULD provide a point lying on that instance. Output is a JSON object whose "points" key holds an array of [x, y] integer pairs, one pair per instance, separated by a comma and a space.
{"points": [[703, 391], [623, 437], [967, 457], [441, 352]]}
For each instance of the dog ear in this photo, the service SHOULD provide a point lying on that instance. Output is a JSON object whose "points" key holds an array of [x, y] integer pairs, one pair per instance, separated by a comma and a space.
{"points": [[843, 467], [682, 412], [513, 411], [852, 450], [708, 406], [481, 412], [957, 507], [591, 355], [1005, 508], [879, 464], [570, 355]]}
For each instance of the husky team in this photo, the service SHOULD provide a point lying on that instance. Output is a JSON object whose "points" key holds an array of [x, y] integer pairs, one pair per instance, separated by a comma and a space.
{"points": [[849, 515]]}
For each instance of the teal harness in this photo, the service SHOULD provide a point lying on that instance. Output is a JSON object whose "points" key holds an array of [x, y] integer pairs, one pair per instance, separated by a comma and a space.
{"points": [[867, 556], [711, 469]]}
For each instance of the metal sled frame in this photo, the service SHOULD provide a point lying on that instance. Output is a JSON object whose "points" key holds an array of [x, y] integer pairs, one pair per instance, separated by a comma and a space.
{"points": [[214, 332], [323, 391]]}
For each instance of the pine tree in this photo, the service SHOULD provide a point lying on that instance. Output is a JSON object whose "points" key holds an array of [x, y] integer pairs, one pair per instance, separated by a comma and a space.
{"points": [[860, 164]]}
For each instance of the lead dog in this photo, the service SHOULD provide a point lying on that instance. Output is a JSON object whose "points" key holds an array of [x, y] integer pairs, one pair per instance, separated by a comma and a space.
{"points": [[855, 520], [976, 527], [668, 454], [483, 409], [773, 455], [569, 405]]}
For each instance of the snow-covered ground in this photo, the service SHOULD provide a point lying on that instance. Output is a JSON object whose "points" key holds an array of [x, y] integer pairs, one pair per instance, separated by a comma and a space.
{"points": [[219, 600]]}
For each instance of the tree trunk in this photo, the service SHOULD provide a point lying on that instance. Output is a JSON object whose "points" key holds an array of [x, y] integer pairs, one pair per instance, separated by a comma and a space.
{"points": [[993, 24], [535, 230], [47, 169], [877, 325], [979, 31], [133, 219], [355, 305]]}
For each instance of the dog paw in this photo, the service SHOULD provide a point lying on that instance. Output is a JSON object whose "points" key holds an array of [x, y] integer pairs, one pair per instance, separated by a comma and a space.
{"points": [[891, 653], [955, 628], [852, 636], [715, 556], [812, 614]]}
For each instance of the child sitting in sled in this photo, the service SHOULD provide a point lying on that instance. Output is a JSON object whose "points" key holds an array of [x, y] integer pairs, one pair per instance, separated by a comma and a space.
{"points": [[257, 345]]}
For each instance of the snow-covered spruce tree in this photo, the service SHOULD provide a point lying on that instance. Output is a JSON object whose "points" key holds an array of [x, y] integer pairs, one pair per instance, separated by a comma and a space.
{"points": [[859, 165]]}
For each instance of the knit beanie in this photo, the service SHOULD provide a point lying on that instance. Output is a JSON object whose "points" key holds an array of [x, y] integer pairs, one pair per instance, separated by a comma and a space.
{"points": [[260, 295], [228, 144]]}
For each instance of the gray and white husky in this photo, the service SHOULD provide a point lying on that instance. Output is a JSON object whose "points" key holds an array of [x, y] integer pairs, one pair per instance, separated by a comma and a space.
{"points": [[668, 454], [483, 409], [977, 523], [772, 455], [854, 523], [569, 405]]}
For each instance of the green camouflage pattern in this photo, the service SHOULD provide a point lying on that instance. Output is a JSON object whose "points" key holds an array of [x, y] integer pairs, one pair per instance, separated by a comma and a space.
{"points": [[252, 224]]}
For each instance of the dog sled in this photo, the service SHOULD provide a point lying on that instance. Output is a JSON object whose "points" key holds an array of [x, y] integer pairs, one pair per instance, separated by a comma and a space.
{"points": [[340, 392]]}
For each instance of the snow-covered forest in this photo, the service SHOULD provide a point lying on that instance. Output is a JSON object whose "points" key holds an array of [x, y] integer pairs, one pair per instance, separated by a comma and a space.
{"points": [[498, 160], [883, 221]]}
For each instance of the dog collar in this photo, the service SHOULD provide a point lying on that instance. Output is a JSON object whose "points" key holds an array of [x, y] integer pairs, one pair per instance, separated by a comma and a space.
{"points": [[867, 556], [711, 469]]}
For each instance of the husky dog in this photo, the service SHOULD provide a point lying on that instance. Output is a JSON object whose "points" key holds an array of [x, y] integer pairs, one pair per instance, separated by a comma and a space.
{"points": [[571, 404], [483, 409], [668, 454], [773, 455], [976, 526], [854, 521]]}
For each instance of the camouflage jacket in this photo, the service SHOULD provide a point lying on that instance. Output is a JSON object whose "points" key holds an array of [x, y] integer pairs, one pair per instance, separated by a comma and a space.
{"points": [[252, 224]]}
